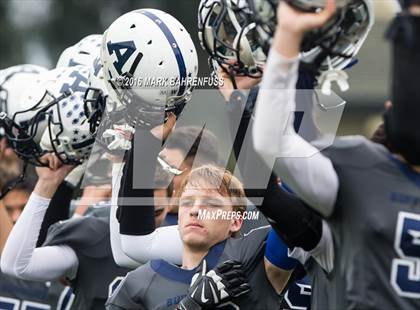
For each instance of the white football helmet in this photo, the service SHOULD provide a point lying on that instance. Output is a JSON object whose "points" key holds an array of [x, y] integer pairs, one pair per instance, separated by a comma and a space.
{"points": [[55, 109], [314, 5], [335, 45], [67, 134], [227, 33], [149, 61], [82, 53], [341, 38], [13, 82]]}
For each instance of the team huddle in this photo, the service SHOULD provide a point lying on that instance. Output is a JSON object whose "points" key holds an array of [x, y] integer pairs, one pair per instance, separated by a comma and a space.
{"points": [[109, 199]]}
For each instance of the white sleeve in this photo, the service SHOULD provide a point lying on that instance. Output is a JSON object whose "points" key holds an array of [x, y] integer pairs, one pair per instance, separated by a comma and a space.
{"points": [[131, 251], [163, 243], [301, 166], [21, 259], [323, 253], [120, 258]]}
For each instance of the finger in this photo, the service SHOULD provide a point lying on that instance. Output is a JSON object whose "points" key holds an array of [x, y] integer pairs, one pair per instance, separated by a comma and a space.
{"points": [[169, 125], [67, 168], [388, 104], [170, 122], [241, 290], [328, 11], [56, 162], [44, 159], [232, 274], [8, 152], [222, 73], [53, 164], [202, 268], [316, 20], [236, 282], [228, 265]]}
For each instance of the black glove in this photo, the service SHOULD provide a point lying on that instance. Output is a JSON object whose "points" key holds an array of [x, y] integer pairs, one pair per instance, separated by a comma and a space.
{"points": [[209, 289]]}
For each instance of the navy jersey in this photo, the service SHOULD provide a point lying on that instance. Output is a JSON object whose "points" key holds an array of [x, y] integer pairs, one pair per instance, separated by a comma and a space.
{"points": [[161, 285], [17, 294], [376, 229], [297, 296], [97, 273]]}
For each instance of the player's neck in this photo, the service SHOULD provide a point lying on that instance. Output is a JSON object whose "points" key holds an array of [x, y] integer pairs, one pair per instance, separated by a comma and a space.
{"points": [[192, 258]]}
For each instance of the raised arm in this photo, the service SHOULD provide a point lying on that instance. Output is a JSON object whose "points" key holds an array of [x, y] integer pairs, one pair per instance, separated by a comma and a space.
{"points": [[310, 174], [20, 258], [138, 240], [132, 251]]}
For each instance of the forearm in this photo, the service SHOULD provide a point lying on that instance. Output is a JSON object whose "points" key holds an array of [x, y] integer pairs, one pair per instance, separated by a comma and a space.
{"points": [[58, 209], [136, 209], [301, 165], [295, 223], [163, 243], [20, 258], [119, 256]]}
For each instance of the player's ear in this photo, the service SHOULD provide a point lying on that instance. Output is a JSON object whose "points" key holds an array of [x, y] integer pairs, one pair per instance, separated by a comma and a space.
{"points": [[236, 225]]}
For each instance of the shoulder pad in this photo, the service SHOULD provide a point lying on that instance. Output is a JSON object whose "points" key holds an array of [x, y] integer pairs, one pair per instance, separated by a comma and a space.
{"points": [[86, 235]]}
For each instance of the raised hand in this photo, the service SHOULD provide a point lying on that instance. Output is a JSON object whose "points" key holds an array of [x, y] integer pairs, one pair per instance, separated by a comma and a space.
{"points": [[242, 83], [50, 177], [293, 23]]}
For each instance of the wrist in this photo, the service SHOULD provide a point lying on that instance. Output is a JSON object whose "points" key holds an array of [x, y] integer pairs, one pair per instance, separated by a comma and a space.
{"points": [[287, 42], [46, 188]]}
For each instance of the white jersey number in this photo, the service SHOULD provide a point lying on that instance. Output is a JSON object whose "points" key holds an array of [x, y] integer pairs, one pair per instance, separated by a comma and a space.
{"points": [[405, 272]]}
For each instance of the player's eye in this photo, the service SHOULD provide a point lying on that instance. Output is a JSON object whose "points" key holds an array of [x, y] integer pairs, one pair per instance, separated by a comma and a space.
{"points": [[213, 203], [159, 212], [186, 203]]}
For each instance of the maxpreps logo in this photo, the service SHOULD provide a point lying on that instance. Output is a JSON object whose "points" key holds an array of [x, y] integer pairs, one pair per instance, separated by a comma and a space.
{"points": [[227, 215]]}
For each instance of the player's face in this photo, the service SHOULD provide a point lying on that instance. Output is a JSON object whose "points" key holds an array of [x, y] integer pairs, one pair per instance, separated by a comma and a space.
{"points": [[202, 232], [161, 200], [14, 202]]}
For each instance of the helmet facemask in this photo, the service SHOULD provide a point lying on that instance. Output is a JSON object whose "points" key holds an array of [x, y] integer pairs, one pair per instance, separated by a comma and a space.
{"points": [[337, 43], [228, 36], [22, 136]]}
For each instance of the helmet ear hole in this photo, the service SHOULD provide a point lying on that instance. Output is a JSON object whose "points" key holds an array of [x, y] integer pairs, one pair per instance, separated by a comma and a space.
{"points": [[161, 63], [133, 26], [150, 42]]}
